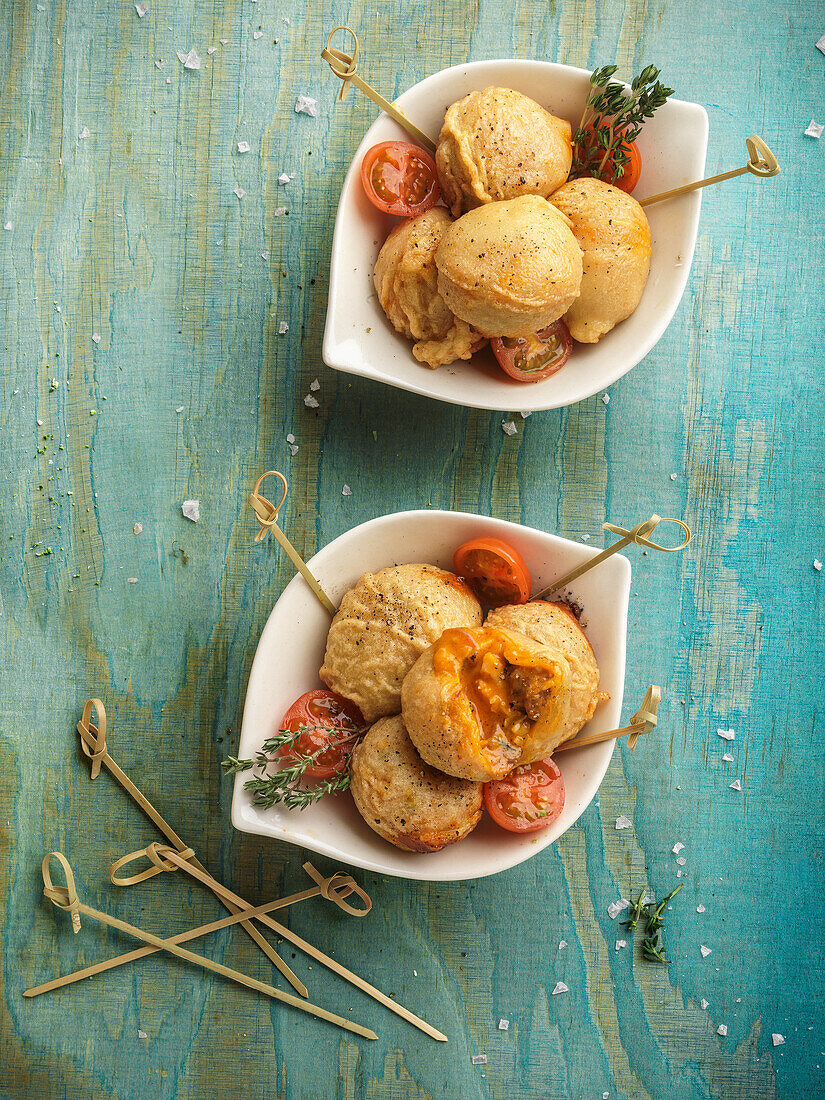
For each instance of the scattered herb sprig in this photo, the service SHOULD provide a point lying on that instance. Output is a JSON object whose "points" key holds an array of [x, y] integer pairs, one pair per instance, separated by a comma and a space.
{"points": [[286, 786], [613, 118], [653, 947]]}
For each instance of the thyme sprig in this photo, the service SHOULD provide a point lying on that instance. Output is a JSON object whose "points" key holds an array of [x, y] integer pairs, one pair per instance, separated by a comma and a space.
{"points": [[286, 785], [653, 947], [613, 118]]}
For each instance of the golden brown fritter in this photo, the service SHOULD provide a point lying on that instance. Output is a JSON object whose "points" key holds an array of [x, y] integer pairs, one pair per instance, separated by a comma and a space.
{"points": [[479, 702], [384, 623], [405, 801], [614, 234], [551, 624], [406, 282], [498, 144], [509, 268]]}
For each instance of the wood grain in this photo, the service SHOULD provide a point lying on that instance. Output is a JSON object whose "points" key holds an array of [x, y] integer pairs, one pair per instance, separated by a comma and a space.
{"points": [[135, 234]]}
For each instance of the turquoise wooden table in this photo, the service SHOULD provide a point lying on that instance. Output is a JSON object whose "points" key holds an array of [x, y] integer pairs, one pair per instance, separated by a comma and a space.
{"points": [[142, 365]]}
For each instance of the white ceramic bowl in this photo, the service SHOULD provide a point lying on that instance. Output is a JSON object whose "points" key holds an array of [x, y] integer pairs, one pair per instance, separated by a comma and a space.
{"points": [[359, 339], [291, 650]]}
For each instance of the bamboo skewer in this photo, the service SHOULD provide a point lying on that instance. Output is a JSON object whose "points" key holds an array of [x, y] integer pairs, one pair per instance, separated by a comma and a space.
{"points": [[761, 162], [93, 744], [638, 534], [319, 956], [345, 67], [184, 937], [643, 721], [65, 897], [267, 515]]}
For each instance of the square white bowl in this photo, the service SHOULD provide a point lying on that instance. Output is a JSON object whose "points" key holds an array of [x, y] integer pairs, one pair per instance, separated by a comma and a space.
{"points": [[291, 649], [358, 338]]}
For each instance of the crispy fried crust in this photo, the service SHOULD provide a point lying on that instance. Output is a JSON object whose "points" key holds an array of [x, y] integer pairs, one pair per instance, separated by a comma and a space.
{"points": [[383, 625], [405, 801]]}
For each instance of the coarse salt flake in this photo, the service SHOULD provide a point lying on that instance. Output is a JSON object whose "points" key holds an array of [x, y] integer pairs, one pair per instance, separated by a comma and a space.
{"points": [[282, 328], [310, 401], [479, 1059], [290, 438], [315, 385], [777, 1039], [677, 847], [132, 580], [727, 757], [524, 415], [735, 785], [504, 1025], [265, 254], [821, 44], [586, 538], [137, 528], [142, 1034], [191, 509], [239, 191], [562, 944], [306, 105], [623, 822], [722, 1029], [293, 449], [509, 427], [7, 227], [159, 63], [620, 944], [224, 41], [179, 409], [346, 491], [705, 950], [703, 1003], [189, 60], [728, 735], [817, 562], [257, 34], [616, 907], [814, 130], [673, 477], [681, 861], [84, 133], [279, 211], [605, 398], [95, 337], [243, 146], [559, 987], [283, 178], [141, 9], [700, 908], [212, 49]]}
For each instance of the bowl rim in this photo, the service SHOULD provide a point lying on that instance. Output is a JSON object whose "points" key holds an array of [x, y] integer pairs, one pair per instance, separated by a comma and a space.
{"points": [[331, 346], [258, 671]]}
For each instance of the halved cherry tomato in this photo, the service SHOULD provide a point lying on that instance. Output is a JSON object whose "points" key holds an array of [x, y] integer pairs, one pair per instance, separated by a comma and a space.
{"points": [[400, 178], [531, 797], [531, 358], [494, 570], [625, 176], [332, 724]]}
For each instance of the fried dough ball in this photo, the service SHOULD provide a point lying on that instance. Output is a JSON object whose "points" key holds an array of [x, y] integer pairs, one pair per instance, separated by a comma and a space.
{"points": [[406, 282], [552, 624], [499, 144], [481, 701], [384, 623], [510, 268], [404, 800], [614, 234]]}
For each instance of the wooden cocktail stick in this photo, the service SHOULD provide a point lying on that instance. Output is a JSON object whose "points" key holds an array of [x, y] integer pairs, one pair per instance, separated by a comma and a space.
{"points": [[93, 744], [193, 933], [266, 514], [643, 721], [65, 897], [345, 68], [336, 967], [638, 534], [761, 162]]}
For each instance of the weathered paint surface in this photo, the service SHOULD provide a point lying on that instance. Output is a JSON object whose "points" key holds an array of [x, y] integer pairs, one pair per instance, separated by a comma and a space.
{"points": [[135, 234]]}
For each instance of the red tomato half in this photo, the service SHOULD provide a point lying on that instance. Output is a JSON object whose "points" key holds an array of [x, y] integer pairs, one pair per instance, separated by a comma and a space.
{"points": [[531, 358], [627, 176], [332, 726], [400, 178], [531, 797], [495, 571]]}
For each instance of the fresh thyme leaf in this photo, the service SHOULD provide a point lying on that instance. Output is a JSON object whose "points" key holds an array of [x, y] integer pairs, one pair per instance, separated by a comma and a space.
{"points": [[653, 947], [286, 786], [636, 911], [613, 118]]}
